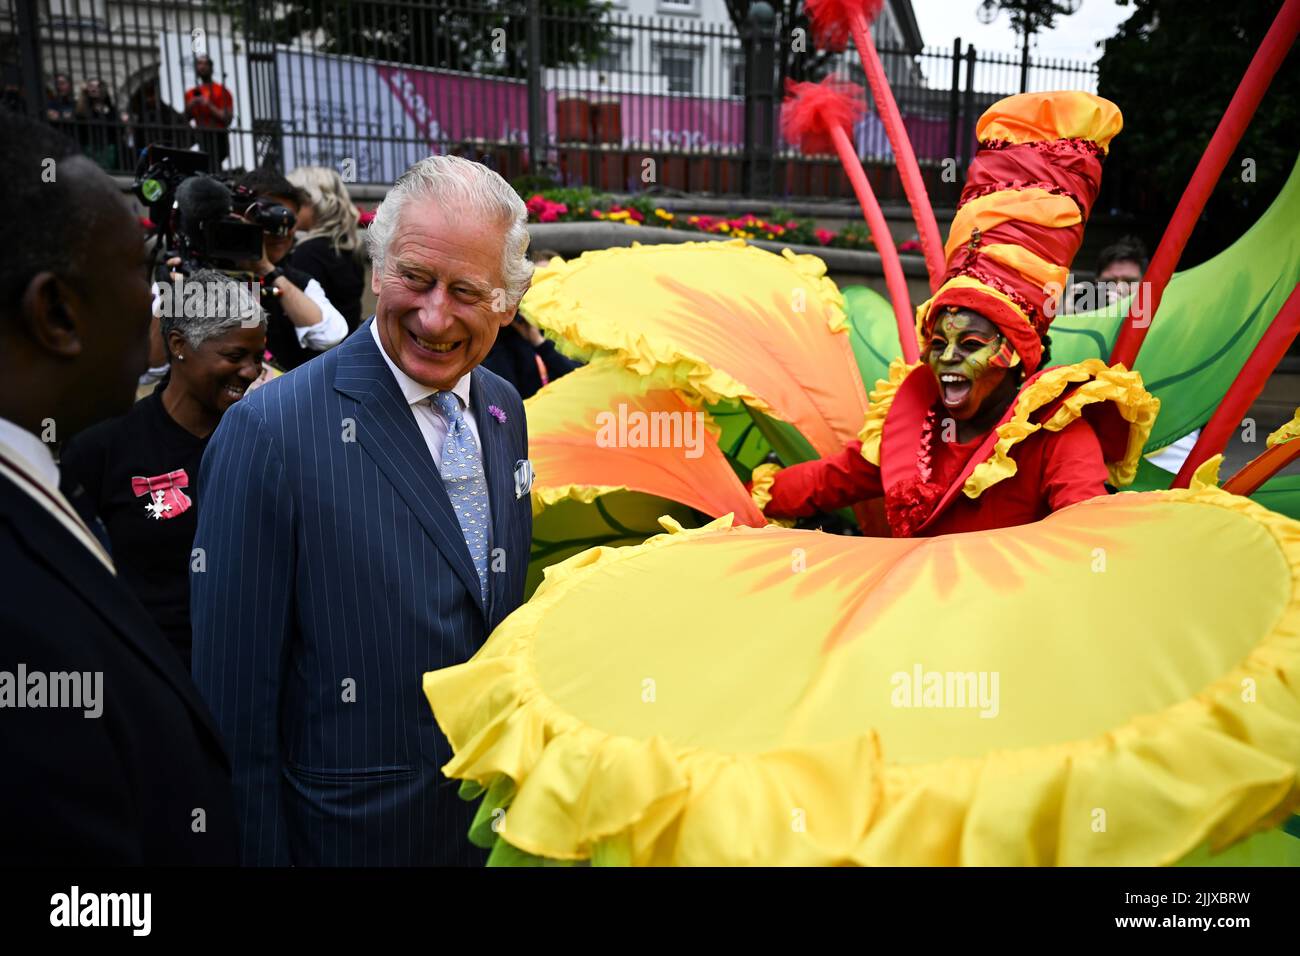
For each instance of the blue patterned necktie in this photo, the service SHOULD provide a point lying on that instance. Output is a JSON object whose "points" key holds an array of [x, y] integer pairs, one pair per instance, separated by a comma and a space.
{"points": [[462, 475]]}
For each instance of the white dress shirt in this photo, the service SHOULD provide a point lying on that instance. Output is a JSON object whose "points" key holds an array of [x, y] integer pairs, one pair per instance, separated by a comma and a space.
{"points": [[432, 424], [28, 463], [332, 327]]}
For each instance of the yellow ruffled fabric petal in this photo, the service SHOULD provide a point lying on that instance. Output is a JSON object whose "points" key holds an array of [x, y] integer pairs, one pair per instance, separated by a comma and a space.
{"points": [[879, 402], [546, 495], [1288, 432], [1101, 383], [762, 729], [764, 476], [716, 321], [602, 429], [760, 488], [1207, 475]]}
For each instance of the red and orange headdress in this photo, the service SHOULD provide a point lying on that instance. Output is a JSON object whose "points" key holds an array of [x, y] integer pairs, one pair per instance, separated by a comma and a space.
{"points": [[1021, 215]]}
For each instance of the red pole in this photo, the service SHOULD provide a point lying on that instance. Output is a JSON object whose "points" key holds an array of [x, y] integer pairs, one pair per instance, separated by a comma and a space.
{"points": [[1267, 59], [904, 155], [1245, 388], [1261, 469], [894, 278]]}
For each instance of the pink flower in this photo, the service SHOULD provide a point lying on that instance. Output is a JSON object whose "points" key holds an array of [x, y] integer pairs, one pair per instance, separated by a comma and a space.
{"points": [[496, 413], [552, 211], [824, 236]]}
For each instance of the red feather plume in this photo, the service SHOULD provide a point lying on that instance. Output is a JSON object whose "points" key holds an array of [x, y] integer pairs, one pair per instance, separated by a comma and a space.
{"points": [[830, 19], [812, 110]]}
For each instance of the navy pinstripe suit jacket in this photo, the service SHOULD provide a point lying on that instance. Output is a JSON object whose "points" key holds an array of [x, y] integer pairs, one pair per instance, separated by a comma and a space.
{"points": [[335, 575]]}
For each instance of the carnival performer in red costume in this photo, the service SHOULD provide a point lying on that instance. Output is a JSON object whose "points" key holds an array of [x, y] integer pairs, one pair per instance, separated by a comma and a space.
{"points": [[980, 433]]}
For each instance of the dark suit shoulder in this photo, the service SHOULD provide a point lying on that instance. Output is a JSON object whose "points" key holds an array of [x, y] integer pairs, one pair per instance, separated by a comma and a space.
{"points": [[499, 389]]}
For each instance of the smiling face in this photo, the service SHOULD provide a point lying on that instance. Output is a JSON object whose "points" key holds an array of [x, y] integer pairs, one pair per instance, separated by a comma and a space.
{"points": [[969, 358], [436, 290], [217, 373]]}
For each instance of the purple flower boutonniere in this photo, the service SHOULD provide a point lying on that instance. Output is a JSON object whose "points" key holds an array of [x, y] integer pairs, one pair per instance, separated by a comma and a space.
{"points": [[496, 413]]}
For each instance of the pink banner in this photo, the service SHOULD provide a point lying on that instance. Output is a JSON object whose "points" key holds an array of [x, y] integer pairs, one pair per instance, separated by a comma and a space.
{"points": [[456, 106]]}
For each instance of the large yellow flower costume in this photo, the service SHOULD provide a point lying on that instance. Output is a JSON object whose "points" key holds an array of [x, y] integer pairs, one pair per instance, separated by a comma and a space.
{"points": [[1118, 684]]}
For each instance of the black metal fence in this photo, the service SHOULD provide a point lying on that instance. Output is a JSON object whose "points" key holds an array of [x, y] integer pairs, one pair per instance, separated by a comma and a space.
{"points": [[612, 101]]}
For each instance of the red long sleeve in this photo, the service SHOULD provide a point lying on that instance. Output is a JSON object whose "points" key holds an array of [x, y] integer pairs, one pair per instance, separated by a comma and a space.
{"points": [[824, 485], [1074, 468]]}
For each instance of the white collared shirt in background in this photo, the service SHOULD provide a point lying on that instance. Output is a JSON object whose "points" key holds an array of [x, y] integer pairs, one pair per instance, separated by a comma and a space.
{"points": [[332, 327], [432, 425]]}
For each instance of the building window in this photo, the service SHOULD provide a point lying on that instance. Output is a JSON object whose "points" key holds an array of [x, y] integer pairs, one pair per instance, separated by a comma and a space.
{"points": [[615, 58], [678, 6], [680, 65], [736, 74]]}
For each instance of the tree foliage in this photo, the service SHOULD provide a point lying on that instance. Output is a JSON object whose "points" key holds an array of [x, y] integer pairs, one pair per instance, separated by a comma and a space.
{"points": [[486, 36], [1172, 69], [798, 61]]}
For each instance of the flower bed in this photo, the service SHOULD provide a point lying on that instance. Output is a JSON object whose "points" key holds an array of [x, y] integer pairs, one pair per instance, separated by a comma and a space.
{"points": [[583, 205]]}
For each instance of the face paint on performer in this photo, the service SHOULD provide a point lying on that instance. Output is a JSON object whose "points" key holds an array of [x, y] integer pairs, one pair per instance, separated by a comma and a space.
{"points": [[969, 358]]}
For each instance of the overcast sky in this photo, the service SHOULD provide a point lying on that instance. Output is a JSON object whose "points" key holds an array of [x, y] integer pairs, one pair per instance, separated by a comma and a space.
{"points": [[1074, 37]]}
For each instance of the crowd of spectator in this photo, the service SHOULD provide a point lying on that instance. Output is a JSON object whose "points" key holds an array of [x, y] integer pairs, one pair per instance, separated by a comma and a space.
{"points": [[111, 136]]}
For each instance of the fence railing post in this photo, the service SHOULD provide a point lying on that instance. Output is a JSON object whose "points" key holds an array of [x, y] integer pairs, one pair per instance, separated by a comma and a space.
{"points": [[967, 110], [29, 51], [954, 99], [265, 122], [536, 97], [760, 98]]}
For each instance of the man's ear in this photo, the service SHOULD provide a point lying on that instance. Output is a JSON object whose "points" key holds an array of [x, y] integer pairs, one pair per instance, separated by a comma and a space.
{"points": [[49, 313], [508, 317], [375, 284]]}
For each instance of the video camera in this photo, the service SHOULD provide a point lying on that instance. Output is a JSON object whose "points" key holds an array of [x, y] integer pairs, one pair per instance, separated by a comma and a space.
{"points": [[202, 220]]}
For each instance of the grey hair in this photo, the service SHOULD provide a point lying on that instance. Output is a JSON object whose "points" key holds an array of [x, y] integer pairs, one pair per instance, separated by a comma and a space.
{"points": [[456, 181], [224, 305]]}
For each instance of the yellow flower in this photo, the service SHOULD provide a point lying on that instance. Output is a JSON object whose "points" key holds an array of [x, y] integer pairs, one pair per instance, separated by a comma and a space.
{"points": [[665, 215]]}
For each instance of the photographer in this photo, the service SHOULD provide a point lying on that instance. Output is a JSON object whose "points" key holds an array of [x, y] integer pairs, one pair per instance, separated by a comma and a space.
{"points": [[328, 249], [139, 473], [301, 321]]}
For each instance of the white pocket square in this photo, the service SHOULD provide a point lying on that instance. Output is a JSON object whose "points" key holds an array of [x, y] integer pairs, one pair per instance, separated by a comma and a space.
{"points": [[523, 477]]}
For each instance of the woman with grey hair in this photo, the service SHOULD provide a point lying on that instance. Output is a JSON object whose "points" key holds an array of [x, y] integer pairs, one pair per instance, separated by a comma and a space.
{"points": [[328, 247], [136, 477]]}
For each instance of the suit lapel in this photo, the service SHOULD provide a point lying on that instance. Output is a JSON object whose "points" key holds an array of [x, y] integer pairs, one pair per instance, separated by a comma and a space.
{"points": [[498, 470], [68, 559], [386, 429]]}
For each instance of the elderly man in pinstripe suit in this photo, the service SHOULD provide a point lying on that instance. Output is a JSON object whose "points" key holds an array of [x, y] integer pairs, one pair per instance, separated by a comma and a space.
{"points": [[365, 519]]}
